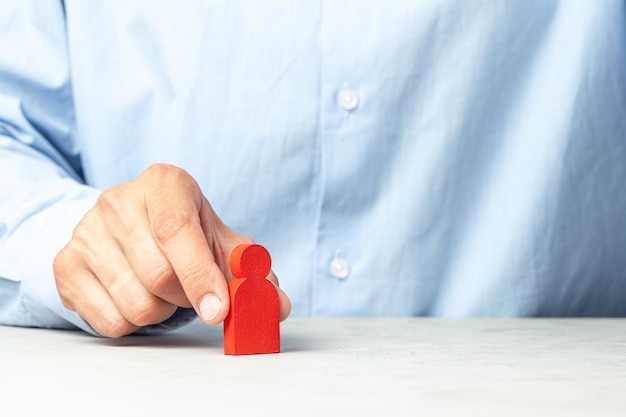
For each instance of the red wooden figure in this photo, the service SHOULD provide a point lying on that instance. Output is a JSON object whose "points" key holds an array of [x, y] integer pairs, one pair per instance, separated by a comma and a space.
{"points": [[252, 325]]}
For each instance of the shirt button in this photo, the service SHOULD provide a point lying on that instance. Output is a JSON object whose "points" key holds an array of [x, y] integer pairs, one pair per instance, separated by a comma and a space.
{"points": [[348, 100], [339, 268]]}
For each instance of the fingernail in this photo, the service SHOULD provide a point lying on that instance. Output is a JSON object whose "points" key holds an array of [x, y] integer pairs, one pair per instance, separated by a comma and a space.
{"points": [[210, 307]]}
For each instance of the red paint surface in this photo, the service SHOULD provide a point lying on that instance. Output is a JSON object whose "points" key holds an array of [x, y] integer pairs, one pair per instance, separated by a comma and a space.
{"points": [[253, 324]]}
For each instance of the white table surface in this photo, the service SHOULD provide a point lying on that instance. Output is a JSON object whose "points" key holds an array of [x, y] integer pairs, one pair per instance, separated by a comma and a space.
{"points": [[328, 367]]}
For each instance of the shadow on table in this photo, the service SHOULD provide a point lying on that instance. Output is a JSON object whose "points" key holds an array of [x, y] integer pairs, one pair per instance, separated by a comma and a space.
{"points": [[195, 335]]}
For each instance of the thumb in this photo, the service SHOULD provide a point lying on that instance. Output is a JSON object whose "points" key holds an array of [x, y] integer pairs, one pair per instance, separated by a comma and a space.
{"points": [[223, 247]]}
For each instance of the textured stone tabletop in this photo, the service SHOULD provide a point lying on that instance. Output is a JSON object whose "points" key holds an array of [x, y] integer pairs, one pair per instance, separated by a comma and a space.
{"points": [[328, 367]]}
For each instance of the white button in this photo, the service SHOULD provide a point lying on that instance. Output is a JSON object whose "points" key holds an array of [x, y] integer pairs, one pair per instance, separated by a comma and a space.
{"points": [[339, 268], [348, 99]]}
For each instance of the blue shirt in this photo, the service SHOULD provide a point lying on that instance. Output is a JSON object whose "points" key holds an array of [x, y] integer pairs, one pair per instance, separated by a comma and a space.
{"points": [[396, 158]]}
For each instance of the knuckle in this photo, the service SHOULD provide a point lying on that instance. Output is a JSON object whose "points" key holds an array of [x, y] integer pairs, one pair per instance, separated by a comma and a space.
{"points": [[143, 311], [109, 200], [169, 224], [81, 233], [59, 263], [193, 273], [196, 279], [65, 301], [60, 282], [165, 173], [169, 175], [112, 206], [159, 279], [113, 326], [65, 266], [159, 170]]}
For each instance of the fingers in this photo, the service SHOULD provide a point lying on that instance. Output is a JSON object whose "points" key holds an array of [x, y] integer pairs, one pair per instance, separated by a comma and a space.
{"points": [[81, 291], [131, 298], [154, 272], [283, 299], [147, 247], [94, 279], [197, 245], [123, 212], [177, 230]]}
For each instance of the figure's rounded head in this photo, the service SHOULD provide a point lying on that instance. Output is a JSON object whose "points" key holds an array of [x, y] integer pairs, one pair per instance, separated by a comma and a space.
{"points": [[250, 261]]}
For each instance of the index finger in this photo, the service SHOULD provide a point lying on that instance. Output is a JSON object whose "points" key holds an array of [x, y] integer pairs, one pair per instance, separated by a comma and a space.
{"points": [[174, 212]]}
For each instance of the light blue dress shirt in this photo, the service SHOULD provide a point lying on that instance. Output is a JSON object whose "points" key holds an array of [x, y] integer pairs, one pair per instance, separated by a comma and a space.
{"points": [[445, 158]]}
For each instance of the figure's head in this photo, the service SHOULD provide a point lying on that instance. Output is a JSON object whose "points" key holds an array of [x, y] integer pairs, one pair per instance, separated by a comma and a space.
{"points": [[250, 261]]}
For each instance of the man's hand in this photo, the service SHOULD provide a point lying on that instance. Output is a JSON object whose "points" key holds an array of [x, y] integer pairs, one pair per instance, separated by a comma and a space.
{"points": [[147, 247]]}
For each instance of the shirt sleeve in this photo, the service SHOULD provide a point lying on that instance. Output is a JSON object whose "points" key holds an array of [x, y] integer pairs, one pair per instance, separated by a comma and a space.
{"points": [[43, 194]]}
